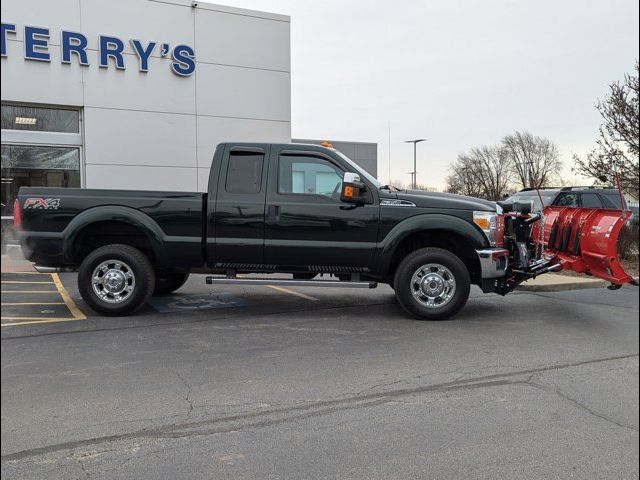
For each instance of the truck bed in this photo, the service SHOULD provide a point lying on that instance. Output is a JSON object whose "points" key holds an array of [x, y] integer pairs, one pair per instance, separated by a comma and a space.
{"points": [[51, 214]]}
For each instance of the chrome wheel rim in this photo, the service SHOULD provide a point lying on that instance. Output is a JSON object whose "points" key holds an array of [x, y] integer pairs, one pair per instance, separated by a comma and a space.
{"points": [[113, 281], [433, 285]]}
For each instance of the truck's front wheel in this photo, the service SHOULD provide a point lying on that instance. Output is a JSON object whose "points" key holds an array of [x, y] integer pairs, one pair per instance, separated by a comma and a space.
{"points": [[116, 280], [432, 284]]}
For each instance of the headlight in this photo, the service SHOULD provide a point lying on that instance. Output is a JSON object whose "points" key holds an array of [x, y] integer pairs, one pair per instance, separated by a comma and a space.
{"points": [[492, 224]]}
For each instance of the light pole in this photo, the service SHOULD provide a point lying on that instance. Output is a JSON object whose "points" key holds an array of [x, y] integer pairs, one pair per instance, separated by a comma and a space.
{"points": [[411, 174], [415, 172]]}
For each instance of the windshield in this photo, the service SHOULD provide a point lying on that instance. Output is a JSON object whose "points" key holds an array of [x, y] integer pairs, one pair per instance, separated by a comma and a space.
{"points": [[358, 169], [547, 198]]}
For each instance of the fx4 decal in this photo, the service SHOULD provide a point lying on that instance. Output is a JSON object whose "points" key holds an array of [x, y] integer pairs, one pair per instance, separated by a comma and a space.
{"points": [[42, 204]]}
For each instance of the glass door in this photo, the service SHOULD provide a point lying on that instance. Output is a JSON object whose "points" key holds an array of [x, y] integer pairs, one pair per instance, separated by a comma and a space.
{"points": [[41, 147]]}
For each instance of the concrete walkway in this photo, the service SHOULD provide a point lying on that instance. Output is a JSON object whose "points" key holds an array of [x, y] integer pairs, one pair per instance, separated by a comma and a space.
{"points": [[11, 264], [556, 282]]}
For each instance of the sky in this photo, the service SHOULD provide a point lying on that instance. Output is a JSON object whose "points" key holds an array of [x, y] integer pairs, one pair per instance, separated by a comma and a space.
{"points": [[458, 73]]}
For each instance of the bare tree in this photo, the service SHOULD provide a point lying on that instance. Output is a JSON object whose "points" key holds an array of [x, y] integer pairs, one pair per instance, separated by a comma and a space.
{"points": [[492, 170], [399, 184], [425, 187], [535, 161], [482, 172], [462, 179], [616, 149], [419, 186]]}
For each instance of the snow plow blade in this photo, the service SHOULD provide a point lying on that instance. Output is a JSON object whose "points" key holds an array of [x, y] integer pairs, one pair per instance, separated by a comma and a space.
{"points": [[585, 240]]}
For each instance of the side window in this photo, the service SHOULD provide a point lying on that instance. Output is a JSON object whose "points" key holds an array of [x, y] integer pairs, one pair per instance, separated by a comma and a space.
{"points": [[591, 200], [308, 175], [567, 200], [244, 173], [611, 200]]}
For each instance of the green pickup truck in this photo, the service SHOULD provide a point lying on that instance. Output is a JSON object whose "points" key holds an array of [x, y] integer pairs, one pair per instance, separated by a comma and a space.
{"points": [[302, 210]]}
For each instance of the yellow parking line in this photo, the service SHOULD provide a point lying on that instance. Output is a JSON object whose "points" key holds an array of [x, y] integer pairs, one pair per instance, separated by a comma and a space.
{"points": [[8, 282], [75, 311], [32, 320], [32, 303], [291, 292]]}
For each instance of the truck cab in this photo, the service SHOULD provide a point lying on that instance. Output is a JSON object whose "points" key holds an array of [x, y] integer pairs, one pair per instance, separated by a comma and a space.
{"points": [[278, 208]]}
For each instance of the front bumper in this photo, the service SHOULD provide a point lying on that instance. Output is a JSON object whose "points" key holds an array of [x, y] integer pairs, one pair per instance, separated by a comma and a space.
{"points": [[493, 262]]}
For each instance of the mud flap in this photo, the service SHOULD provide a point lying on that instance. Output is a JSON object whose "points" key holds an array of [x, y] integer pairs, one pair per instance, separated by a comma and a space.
{"points": [[584, 240]]}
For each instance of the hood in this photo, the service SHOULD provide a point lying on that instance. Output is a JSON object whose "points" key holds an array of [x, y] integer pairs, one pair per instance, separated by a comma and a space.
{"points": [[445, 200]]}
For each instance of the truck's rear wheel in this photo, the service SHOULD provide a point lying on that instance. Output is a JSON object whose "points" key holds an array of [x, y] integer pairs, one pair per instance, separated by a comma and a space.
{"points": [[432, 284], [116, 279], [169, 281]]}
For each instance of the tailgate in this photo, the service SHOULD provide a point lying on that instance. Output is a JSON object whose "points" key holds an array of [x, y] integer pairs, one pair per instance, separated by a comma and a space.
{"points": [[585, 240]]}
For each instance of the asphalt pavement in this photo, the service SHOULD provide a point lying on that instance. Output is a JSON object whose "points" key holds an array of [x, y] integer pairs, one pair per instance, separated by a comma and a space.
{"points": [[259, 382]]}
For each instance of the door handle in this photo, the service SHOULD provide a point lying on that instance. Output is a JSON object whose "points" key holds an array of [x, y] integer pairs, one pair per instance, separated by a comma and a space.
{"points": [[273, 213]]}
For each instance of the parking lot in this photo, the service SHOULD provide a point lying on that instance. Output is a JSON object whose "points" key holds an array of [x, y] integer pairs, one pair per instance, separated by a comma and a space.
{"points": [[30, 298], [264, 382]]}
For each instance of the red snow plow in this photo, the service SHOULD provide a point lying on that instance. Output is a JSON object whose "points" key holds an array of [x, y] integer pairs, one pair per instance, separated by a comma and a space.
{"points": [[584, 240]]}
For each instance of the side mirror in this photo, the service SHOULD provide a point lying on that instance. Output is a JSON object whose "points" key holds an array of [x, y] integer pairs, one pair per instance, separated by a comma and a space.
{"points": [[352, 188]]}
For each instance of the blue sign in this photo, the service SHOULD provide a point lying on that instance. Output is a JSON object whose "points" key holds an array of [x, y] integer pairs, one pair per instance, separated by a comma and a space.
{"points": [[73, 47]]}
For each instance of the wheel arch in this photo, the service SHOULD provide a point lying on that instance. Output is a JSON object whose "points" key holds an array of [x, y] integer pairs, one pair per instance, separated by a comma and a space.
{"points": [[448, 232], [100, 226]]}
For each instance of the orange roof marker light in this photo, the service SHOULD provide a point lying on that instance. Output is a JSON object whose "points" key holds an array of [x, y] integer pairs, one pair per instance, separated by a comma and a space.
{"points": [[326, 144]]}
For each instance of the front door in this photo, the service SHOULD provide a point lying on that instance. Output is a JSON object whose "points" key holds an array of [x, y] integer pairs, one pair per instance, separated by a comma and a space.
{"points": [[307, 227]]}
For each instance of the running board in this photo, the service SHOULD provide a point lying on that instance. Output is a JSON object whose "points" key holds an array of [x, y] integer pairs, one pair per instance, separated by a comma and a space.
{"points": [[45, 269], [211, 280]]}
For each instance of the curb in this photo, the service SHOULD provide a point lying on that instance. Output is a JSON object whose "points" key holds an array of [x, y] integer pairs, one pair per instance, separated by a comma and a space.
{"points": [[561, 287]]}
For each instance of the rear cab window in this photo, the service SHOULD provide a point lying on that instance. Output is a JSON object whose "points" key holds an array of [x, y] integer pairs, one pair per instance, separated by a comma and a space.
{"points": [[244, 173]]}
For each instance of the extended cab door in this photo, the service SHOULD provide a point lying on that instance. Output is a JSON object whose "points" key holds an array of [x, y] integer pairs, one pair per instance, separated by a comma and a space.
{"points": [[307, 227], [235, 231]]}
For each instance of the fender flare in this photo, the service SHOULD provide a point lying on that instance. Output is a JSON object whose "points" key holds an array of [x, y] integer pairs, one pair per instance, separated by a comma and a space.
{"points": [[113, 213], [425, 222]]}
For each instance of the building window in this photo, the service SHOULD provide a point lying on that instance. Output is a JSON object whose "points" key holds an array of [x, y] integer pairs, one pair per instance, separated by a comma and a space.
{"points": [[38, 167], [41, 147], [40, 119]]}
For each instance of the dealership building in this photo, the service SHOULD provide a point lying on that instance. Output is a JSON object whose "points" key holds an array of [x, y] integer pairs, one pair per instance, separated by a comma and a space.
{"points": [[135, 94]]}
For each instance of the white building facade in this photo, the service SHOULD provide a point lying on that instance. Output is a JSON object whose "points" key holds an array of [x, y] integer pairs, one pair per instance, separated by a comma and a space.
{"points": [[135, 94]]}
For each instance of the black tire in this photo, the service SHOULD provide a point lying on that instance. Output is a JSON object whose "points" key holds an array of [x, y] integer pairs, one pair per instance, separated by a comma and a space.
{"points": [[453, 267], [135, 262], [167, 282]]}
